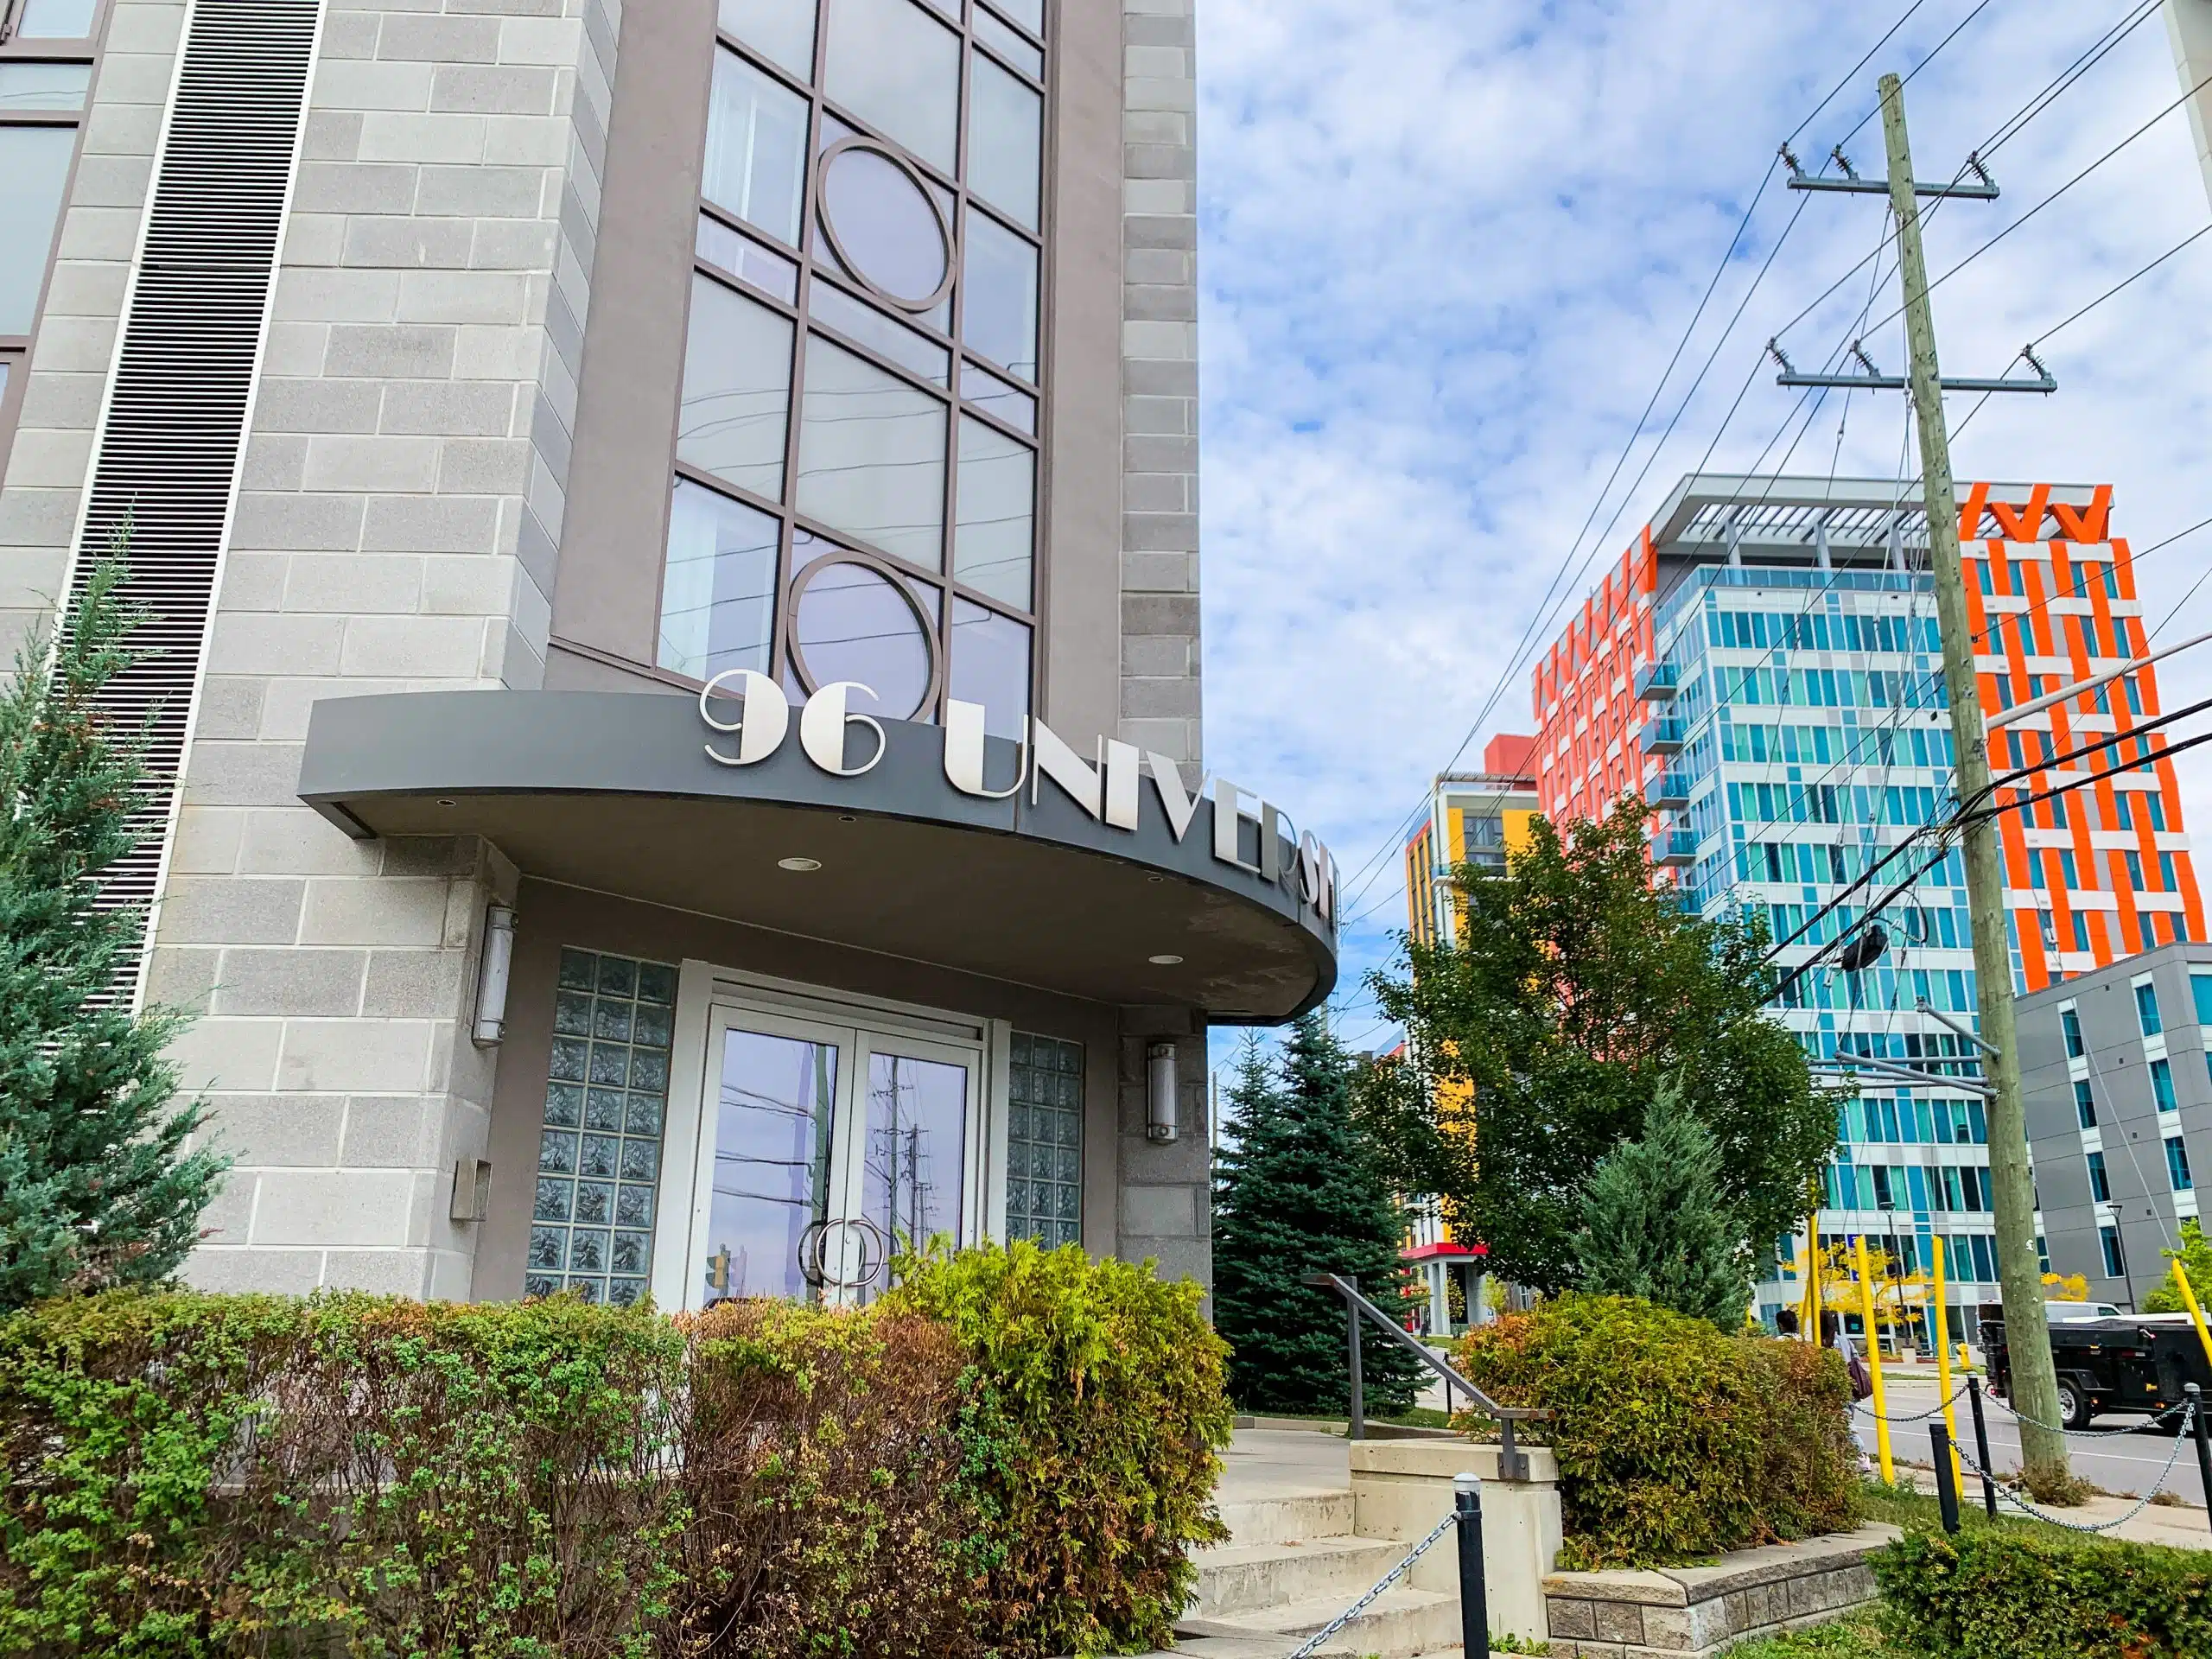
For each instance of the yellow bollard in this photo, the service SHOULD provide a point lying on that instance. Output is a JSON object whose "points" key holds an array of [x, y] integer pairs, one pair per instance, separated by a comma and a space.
{"points": [[1942, 1336], [1874, 1367], [2195, 1314], [1814, 1300]]}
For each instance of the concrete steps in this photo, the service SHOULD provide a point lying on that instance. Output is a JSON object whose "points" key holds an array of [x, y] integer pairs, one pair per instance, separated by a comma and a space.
{"points": [[1291, 1565], [1400, 1624]]}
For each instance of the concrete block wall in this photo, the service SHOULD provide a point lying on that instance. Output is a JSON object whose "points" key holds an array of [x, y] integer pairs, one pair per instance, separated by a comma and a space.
{"points": [[1166, 1187], [1159, 378], [400, 505]]}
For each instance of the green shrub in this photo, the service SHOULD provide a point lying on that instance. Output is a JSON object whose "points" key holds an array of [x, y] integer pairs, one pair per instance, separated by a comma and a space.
{"points": [[2042, 1594], [822, 1458], [203, 1475], [1094, 1426], [1014, 1453], [1675, 1441]]}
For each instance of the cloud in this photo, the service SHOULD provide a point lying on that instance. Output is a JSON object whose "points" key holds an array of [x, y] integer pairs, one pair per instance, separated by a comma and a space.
{"points": [[1447, 249]]}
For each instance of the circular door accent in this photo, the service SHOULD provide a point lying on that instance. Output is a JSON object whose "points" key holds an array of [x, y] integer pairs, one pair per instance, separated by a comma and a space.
{"points": [[885, 224], [852, 619]]}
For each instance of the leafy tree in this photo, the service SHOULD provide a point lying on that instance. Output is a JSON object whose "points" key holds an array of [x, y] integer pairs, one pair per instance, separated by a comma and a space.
{"points": [[2195, 1258], [1538, 1038], [1655, 1225], [1297, 1190], [96, 1185]]}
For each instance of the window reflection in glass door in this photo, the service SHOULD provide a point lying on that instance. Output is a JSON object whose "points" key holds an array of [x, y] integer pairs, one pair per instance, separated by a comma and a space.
{"points": [[914, 1164], [773, 1120]]}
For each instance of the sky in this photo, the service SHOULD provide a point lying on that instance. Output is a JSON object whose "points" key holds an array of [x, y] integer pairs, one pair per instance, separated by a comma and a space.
{"points": [[1447, 248]]}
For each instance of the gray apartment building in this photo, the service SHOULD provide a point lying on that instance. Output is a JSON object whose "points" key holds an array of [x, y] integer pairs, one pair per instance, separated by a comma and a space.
{"points": [[2117, 1066], [671, 531]]}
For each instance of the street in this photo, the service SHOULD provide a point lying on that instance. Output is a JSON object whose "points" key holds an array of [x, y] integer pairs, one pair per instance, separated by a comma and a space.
{"points": [[2123, 1463]]}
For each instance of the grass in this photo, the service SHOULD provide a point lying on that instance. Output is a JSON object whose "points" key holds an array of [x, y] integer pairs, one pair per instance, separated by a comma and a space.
{"points": [[1858, 1637], [1901, 1506]]}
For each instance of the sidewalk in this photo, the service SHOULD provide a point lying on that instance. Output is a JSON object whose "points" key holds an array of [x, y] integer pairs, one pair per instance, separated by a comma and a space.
{"points": [[2186, 1528]]}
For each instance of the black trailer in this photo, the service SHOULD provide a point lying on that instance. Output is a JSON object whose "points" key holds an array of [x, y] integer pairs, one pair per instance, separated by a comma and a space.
{"points": [[2138, 1363]]}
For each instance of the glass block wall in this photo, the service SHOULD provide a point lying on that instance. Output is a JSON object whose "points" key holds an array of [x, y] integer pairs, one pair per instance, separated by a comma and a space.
{"points": [[1044, 1183], [598, 1153]]}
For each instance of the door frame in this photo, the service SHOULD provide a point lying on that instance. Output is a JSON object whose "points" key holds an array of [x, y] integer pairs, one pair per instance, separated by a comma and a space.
{"points": [[704, 989]]}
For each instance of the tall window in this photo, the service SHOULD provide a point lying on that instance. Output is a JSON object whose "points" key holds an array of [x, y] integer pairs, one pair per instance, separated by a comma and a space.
{"points": [[2177, 1165], [2162, 1085], [2085, 1102], [857, 452], [2146, 1008], [45, 76], [2069, 1022], [2100, 1184], [2115, 1262]]}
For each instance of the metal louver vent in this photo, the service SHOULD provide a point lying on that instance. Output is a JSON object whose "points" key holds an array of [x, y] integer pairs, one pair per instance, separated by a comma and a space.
{"points": [[166, 465]]}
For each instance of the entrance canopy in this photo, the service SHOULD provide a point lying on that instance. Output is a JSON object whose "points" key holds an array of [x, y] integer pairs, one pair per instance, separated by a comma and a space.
{"points": [[619, 792]]}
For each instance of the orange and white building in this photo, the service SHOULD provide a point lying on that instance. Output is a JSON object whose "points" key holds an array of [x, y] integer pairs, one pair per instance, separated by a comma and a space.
{"points": [[1764, 665]]}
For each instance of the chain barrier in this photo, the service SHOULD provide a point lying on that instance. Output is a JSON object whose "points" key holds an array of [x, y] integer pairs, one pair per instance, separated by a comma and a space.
{"points": [[1313, 1643], [1958, 1394], [2143, 1503], [2085, 1433]]}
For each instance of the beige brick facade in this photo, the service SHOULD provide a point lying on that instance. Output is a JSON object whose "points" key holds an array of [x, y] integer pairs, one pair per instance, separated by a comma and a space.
{"points": [[1160, 691], [401, 497]]}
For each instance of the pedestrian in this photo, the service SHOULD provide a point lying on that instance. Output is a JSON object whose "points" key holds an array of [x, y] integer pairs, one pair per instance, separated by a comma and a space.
{"points": [[1785, 1324], [1833, 1335]]}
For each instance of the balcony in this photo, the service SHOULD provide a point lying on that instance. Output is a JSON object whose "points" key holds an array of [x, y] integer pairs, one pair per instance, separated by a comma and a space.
{"points": [[1671, 794], [1662, 736], [1677, 850], [1657, 682]]}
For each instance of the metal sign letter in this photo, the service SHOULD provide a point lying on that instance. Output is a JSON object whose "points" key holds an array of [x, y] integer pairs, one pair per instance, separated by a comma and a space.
{"points": [[1052, 759], [964, 753], [768, 716], [1167, 778], [822, 730], [1229, 819], [1124, 769]]}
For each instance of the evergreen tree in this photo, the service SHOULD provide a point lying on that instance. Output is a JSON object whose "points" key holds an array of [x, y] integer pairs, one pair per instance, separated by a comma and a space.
{"points": [[97, 1187], [1655, 1225], [1297, 1190]]}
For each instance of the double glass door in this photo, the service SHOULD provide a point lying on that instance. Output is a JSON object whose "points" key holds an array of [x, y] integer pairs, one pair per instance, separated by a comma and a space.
{"points": [[825, 1150]]}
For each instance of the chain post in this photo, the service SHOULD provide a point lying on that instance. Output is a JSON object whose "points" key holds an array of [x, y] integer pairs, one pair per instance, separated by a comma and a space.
{"points": [[1947, 1482], [2202, 1432], [1474, 1598], [1981, 1447], [1356, 1429]]}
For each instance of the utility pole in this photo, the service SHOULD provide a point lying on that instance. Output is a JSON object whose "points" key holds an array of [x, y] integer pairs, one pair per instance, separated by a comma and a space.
{"points": [[2035, 1377]]}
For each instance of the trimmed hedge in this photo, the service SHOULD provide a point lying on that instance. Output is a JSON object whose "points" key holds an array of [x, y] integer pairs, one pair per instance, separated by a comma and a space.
{"points": [[1675, 1441], [201, 1476], [2007, 1594], [1096, 1434]]}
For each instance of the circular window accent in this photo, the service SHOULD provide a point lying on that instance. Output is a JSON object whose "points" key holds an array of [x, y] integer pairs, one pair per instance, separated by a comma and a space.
{"points": [[852, 621], [884, 226]]}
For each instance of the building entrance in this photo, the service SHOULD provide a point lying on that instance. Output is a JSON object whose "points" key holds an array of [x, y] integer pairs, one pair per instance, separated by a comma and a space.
{"points": [[824, 1150]]}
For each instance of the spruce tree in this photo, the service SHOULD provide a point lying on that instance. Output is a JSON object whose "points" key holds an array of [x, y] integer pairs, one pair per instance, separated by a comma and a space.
{"points": [[1654, 1224], [96, 1185], [1297, 1190]]}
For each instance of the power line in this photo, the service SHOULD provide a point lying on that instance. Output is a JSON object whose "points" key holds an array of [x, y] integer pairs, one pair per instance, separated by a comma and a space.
{"points": [[1370, 867], [2193, 237], [2032, 211]]}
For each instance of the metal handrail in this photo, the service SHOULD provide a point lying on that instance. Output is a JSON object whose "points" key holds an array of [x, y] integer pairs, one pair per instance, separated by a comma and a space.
{"points": [[1512, 1462]]}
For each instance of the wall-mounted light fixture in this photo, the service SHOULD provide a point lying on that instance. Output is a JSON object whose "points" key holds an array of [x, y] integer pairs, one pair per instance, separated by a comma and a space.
{"points": [[1160, 1122], [491, 975]]}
